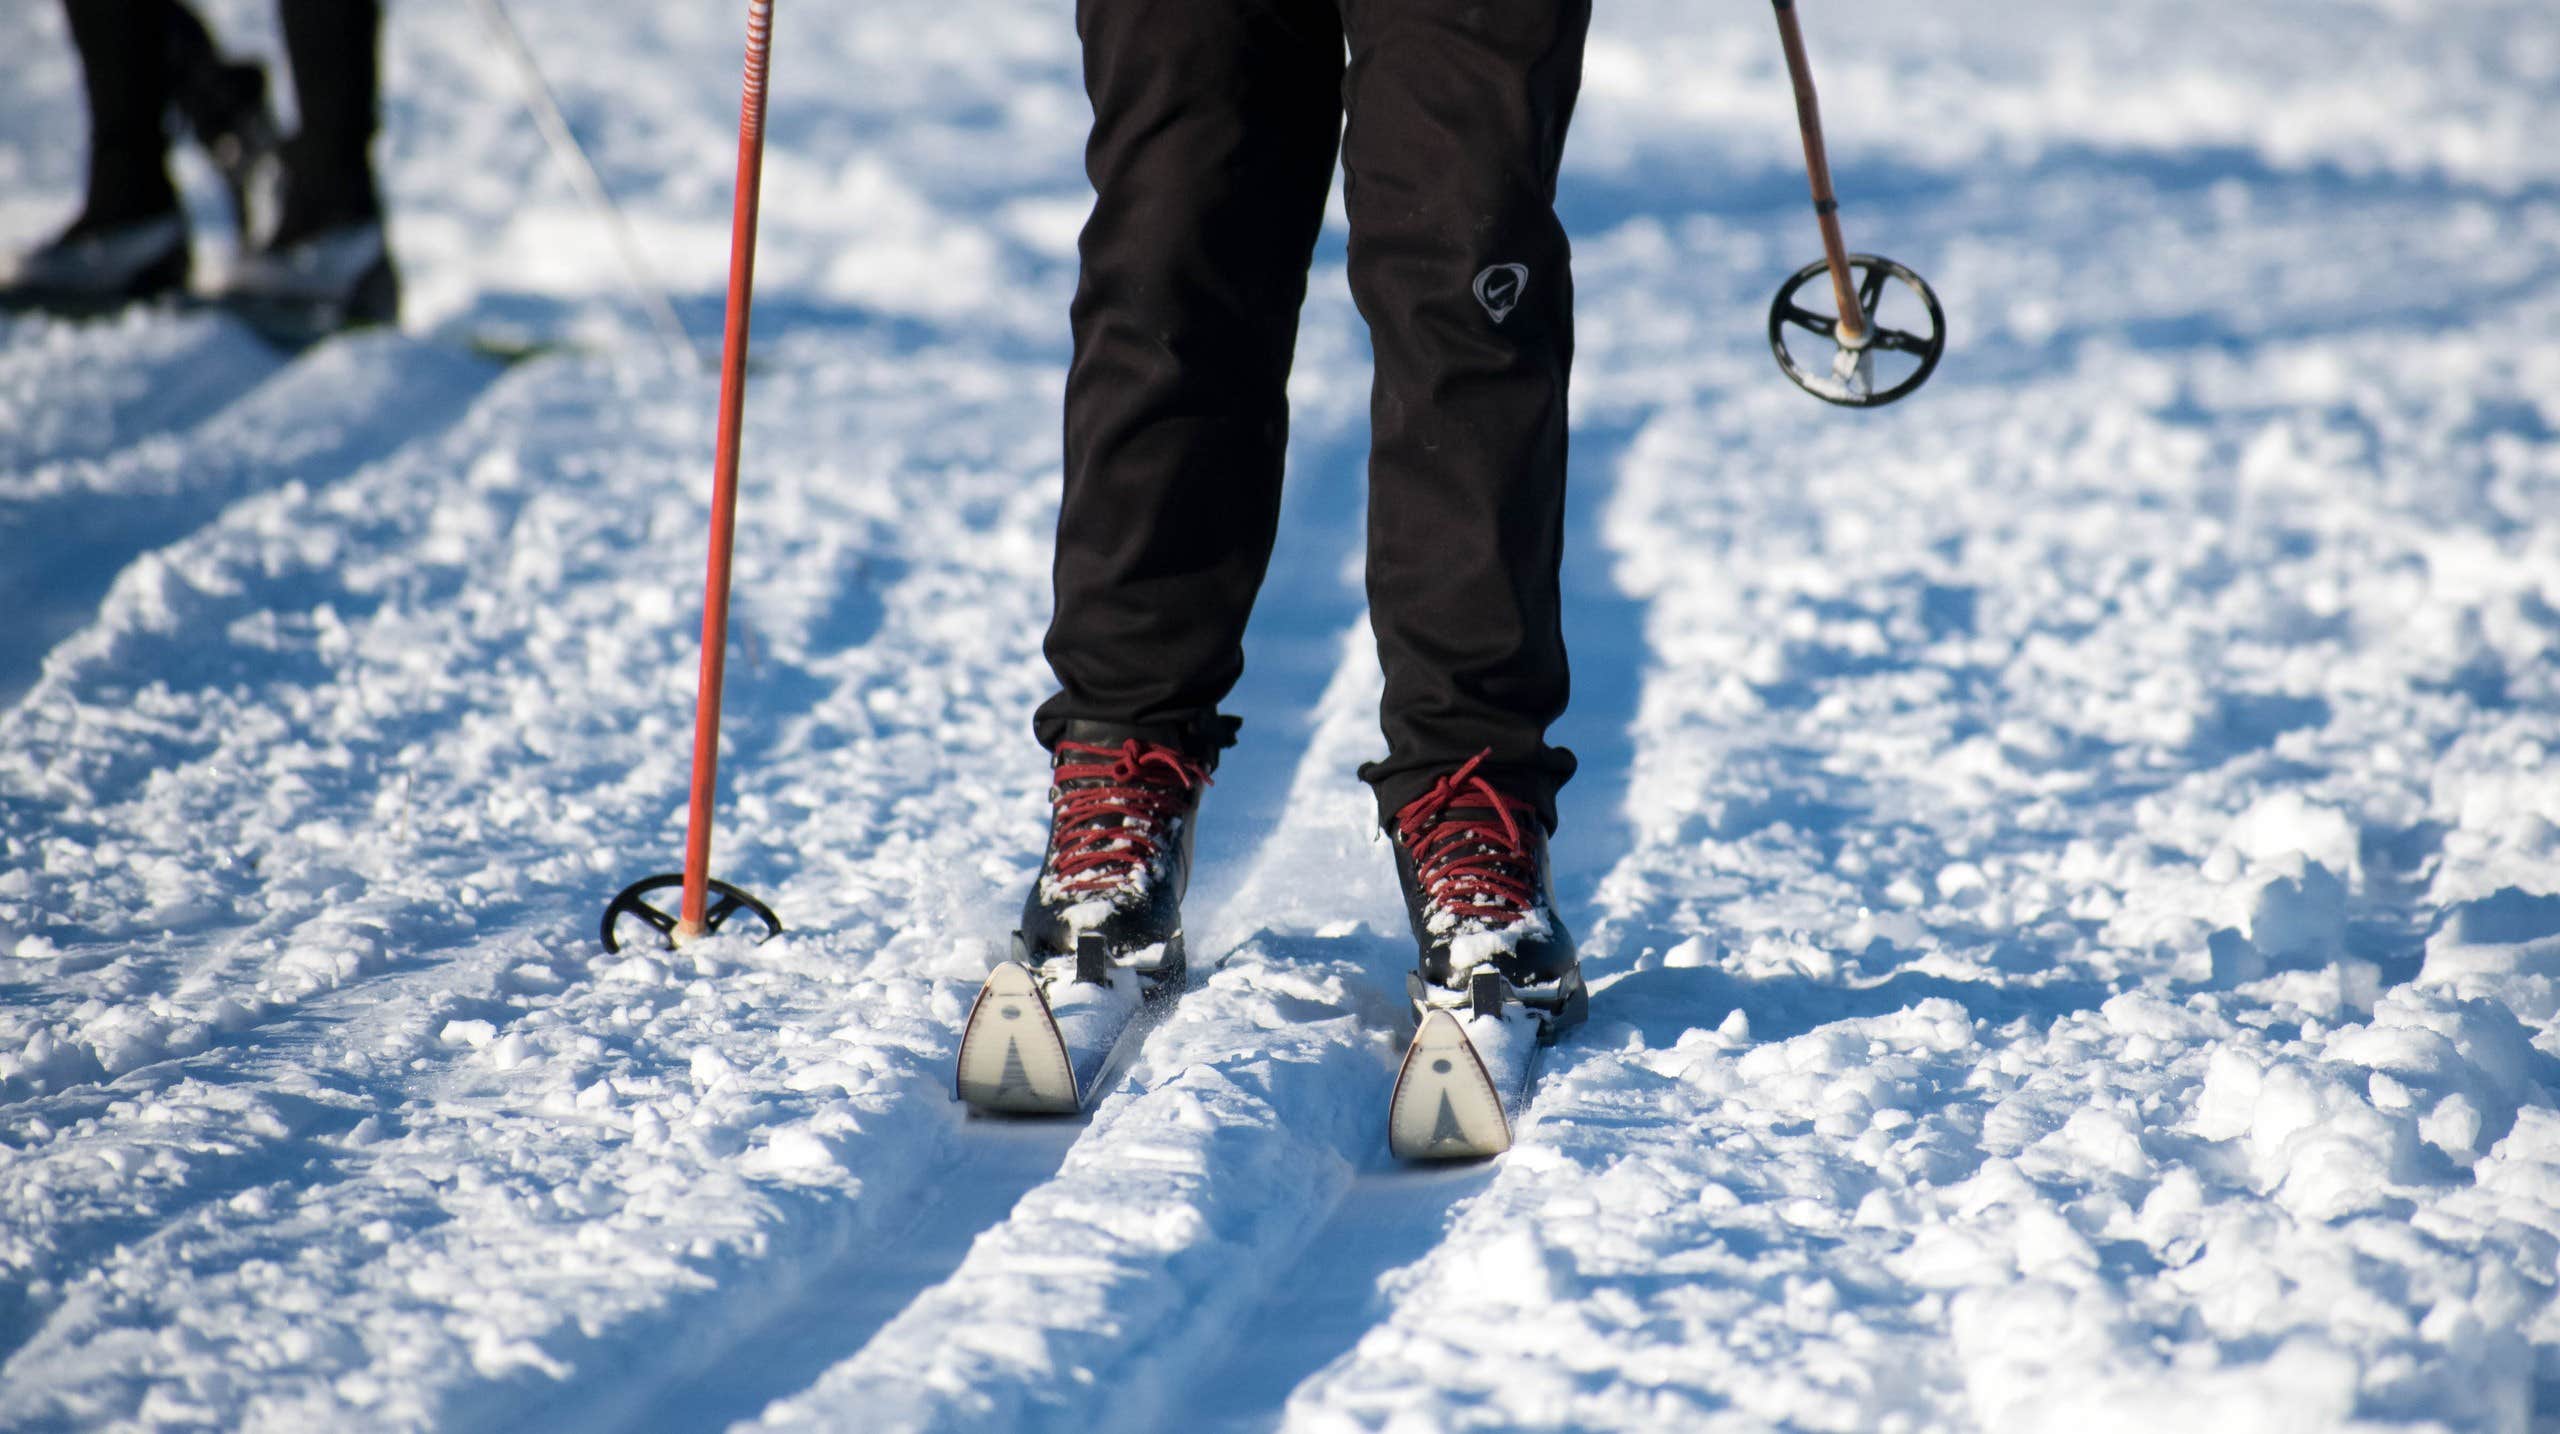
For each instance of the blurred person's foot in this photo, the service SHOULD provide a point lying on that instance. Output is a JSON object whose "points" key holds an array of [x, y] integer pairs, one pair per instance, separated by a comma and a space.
{"points": [[95, 267], [303, 289]]}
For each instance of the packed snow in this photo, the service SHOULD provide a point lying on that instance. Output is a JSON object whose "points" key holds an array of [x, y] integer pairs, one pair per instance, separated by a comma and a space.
{"points": [[2069, 865]]}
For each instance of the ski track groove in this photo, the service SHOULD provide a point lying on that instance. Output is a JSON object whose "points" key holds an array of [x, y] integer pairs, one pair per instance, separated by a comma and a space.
{"points": [[1862, 1134], [126, 658], [82, 520], [1390, 1214], [1220, 1150], [82, 1074], [428, 1091], [74, 393], [836, 1307]]}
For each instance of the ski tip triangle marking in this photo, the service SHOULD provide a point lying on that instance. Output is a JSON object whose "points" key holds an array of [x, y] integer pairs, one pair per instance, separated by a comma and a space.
{"points": [[1014, 1081], [1445, 1106], [1012, 1057], [1445, 1130]]}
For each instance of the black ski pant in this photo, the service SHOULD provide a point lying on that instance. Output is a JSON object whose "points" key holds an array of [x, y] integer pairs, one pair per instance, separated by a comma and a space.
{"points": [[139, 59], [1214, 134], [335, 49], [134, 57]]}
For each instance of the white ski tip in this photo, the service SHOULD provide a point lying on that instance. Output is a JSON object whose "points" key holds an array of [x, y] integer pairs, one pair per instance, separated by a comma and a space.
{"points": [[1011, 1055], [1445, 1106]]}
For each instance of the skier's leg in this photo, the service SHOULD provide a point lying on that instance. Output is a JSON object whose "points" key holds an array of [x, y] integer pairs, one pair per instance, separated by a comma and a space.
{"points": [[1214, 127], [334, 47], [124, 48], [1457, 121], [129, 241], [325, 264]]}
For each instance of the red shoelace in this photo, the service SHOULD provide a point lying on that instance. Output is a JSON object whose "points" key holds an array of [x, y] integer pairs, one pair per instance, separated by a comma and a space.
{"points": [[1468, 849], [1111, 807]]}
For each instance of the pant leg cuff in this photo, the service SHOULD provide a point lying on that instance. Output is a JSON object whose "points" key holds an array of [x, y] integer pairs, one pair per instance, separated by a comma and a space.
{"points": [[1200, 738], [1397, 784]]}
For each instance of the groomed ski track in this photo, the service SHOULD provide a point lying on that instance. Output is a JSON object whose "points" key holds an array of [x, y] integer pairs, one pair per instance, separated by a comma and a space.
{"points": [[2066, 864]]}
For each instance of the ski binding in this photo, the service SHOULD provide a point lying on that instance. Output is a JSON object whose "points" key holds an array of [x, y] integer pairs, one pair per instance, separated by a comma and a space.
{"points": [[1466, 1077], [1043, 1034]]}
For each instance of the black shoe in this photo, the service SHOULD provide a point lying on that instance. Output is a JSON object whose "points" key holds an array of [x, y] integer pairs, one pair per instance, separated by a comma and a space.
{"points": [[307, 288], [1473, 864], [96, 268], [1119, 857]]}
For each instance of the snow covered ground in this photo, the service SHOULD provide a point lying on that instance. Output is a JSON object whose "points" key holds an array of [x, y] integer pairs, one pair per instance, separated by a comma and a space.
{"points": [[2070, 865]]}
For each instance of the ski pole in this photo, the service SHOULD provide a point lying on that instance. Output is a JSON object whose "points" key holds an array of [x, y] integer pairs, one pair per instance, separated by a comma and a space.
{"points": [[1817, 167], [1851, 325], [572, 159], [696, 914]]}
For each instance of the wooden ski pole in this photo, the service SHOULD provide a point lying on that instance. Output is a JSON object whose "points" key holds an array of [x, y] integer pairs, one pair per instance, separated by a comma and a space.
{"points": [[1854, 331], [1826, 207]]}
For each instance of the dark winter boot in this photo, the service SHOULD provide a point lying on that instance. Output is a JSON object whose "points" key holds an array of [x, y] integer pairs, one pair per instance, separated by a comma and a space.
{"points": [[95, 268], [299, 290], [1473, 864], [1119, 855], [323, 264]]}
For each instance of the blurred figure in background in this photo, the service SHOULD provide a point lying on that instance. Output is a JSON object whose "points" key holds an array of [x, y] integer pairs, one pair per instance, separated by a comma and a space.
{"points": [[312, 256], [139, 60], [322, 262]]}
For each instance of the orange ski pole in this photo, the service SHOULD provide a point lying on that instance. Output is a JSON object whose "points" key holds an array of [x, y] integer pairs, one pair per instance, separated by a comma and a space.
{"points": [[696, 914]]}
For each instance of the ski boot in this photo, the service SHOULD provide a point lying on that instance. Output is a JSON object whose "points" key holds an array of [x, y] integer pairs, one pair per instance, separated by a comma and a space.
{"points": [[1101, 935], [1496, 977], [1119, 858], [94, 268], [301, 289], [1473, 866]]}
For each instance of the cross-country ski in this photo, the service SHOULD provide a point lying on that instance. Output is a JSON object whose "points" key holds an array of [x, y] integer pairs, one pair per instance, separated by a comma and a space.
{"points": [[1465, 1081], [1038, 1042], [1101, 939], [1358, 717]]}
